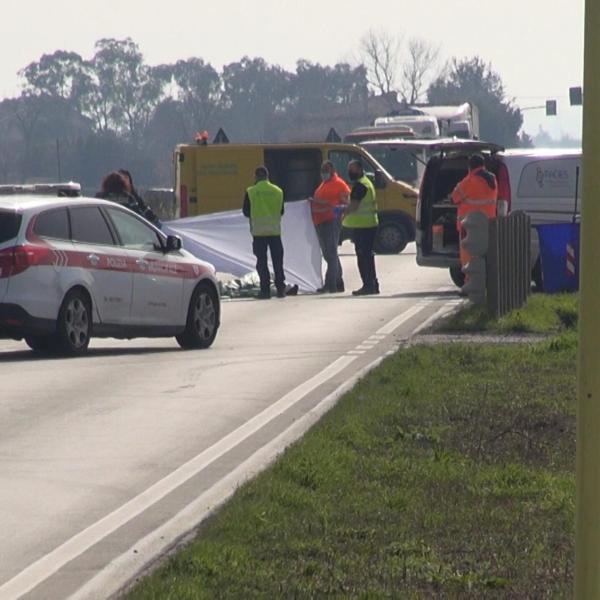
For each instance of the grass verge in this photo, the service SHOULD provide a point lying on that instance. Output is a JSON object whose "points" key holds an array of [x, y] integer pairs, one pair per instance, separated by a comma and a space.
{"points": [[447, 472], [542, 314]]}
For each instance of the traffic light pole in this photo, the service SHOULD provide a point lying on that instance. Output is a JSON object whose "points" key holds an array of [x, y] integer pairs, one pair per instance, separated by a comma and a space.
{"points": [[587, 551]]}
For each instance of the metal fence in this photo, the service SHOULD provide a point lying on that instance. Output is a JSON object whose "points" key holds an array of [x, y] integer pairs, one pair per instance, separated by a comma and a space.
{"points": [[508, 263]]}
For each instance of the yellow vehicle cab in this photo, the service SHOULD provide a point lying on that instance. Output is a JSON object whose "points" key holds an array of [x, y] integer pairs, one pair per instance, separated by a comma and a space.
{"points": [[212, 178]]}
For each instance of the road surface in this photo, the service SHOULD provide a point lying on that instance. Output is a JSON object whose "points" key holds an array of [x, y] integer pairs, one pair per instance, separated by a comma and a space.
{"points": [[107, 459]]}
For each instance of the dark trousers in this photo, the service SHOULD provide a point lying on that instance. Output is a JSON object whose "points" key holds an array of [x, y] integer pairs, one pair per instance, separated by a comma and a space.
{"points": [[329, 237], [364, 239], [259, 247]]}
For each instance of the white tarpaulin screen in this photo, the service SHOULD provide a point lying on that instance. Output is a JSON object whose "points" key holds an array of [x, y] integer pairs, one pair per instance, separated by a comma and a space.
{"points": [[224, 240]]}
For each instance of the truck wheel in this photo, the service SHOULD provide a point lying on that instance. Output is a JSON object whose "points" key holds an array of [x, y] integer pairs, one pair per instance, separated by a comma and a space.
{"points": [[392, 237], [457, 276], [202, 319], [74, 324]]}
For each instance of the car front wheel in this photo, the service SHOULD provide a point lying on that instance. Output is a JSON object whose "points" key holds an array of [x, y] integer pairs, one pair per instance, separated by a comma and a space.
{"points": [[202, 319], [74, 324]]}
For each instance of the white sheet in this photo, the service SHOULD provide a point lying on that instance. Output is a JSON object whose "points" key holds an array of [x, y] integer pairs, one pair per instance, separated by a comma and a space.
{"points": [[224, 240]]}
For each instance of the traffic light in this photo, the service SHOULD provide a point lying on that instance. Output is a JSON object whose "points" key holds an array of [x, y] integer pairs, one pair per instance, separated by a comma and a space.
{"points": [[550, 108], [576, 96]]}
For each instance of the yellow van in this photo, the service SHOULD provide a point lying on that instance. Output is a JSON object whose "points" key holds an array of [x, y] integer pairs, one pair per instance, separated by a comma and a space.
{"points": [[213, 178]]}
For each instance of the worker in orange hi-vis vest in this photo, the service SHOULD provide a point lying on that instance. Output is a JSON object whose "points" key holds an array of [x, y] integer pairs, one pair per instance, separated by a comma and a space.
{"points": [[477, 192]]}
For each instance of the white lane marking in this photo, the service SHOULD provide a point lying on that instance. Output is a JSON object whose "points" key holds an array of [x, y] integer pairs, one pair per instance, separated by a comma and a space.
{"points": [[47, 565], [442, 312], [365, 346], [402, 318], [120, 571], [377, 337]]}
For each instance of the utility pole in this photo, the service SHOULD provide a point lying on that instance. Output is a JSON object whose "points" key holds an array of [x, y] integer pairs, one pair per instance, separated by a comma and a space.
{"points": [[587, 546]]}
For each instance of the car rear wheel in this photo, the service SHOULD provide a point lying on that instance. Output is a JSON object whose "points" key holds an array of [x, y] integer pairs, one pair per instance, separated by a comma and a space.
{"points": [[39, 343], [74, 324], [392, 237], [202, 319], [457, 276]]}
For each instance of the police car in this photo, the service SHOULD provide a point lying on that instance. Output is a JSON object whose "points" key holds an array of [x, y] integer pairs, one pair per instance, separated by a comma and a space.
{"points": [[76, 268]]}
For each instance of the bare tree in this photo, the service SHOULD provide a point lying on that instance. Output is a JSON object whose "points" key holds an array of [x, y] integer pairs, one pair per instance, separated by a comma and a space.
{"points": [[418, 69], [379, 52]]}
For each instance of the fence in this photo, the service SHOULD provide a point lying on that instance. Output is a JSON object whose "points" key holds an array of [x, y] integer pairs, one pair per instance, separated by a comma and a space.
{"points": [[508, 263]]}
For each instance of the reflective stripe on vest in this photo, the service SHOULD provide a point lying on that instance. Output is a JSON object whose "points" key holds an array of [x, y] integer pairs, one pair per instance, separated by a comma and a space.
{"points": [[366, 215], [479, 202], [266, 202]]}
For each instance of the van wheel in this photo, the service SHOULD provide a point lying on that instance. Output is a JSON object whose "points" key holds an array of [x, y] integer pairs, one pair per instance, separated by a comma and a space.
{"points": [[457, 276], [202, 319], [74, 324], [392, 237]]}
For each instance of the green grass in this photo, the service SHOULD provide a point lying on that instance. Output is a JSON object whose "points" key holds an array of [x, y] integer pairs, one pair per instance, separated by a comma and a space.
{"points": [[542, 314], [448, 472]]}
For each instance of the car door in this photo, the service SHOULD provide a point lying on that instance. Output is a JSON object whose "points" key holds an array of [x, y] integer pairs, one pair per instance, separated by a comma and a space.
{"points": [[159, 276], [106, 264]]}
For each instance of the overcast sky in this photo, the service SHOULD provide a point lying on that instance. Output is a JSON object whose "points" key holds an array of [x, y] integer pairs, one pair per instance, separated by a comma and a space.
{"points": [[535, 45]]}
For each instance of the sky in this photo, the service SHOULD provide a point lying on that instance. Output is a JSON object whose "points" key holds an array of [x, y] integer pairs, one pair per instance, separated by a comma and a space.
{"points": [[535, 45]]}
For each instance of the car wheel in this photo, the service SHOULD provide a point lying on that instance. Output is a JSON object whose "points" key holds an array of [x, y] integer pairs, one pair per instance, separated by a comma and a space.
{"points": [[74, 324], [392, 237], [457, 276], [202, 319], [39, 343]]}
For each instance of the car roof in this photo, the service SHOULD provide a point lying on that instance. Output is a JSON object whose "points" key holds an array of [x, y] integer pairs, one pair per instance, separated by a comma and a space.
{"points": [[440, 144], [542, 153], [26, 202]]}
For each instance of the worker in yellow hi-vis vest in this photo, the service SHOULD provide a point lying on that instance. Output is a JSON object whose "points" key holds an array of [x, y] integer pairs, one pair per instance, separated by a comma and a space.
{"points": [[263, 205]]}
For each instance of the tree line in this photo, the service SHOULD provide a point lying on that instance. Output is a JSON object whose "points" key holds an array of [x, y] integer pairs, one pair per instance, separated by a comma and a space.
{"points": [[78, 118]]}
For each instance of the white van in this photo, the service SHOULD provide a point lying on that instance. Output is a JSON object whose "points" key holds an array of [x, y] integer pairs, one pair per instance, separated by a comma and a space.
{"points": [[546, 184]]}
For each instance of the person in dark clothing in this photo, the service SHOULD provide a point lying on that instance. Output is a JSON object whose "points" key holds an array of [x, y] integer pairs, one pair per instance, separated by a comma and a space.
{"points": [[117, 188], [263, 205], [142, 208], [361, 218]]}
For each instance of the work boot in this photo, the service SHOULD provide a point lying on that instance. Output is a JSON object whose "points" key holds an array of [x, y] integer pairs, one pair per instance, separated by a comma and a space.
{"points": [[291, 290], [263, 296], [340, 286], [365, 291], [322, 290]]}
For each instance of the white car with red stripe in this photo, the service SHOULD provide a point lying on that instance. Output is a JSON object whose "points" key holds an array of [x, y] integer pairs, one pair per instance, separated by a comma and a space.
{"points": [[73, 268]]}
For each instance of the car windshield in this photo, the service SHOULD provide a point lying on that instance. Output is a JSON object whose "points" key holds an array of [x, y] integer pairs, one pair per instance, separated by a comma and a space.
{"points": [[9, 225], [400, 164]]}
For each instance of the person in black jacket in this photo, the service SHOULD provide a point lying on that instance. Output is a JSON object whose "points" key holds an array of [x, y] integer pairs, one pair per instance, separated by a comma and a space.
{"points": [[118, 188]]}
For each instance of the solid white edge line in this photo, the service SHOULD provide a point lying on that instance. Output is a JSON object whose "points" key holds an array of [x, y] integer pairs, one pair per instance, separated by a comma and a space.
{"points": [[445, 310], [117, 574], [43, 568], [123, 570], [47, 565], [402, 318]]}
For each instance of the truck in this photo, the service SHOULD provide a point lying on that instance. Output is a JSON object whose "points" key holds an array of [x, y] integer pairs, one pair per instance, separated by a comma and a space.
{"points": [[212, 178]]}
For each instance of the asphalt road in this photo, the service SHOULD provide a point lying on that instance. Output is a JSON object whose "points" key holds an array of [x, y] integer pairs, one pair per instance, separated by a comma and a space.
{"points": [[107, 459]]}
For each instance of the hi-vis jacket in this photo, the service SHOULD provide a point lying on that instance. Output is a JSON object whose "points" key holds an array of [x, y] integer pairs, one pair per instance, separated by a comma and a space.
{"points": [[477, 192], [266, 203], [366, 215]]}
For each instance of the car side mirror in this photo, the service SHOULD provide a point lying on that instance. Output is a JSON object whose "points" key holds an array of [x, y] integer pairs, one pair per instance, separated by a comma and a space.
{"points": [[174, 243], [380, 180]]}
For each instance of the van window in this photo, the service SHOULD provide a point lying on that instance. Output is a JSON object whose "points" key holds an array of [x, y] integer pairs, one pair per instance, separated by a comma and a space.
{"points": [[553, 178], [89, 226], [399, 163], [53, 224], [341, 158], [10, 222], [296, 172]]}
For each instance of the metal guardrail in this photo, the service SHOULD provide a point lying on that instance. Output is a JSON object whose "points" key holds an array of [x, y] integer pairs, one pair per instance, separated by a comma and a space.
{"points": [[508, 263]]}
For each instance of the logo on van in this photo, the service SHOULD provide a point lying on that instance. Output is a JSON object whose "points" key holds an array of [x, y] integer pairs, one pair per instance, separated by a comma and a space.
{"points": [[551, 177]]}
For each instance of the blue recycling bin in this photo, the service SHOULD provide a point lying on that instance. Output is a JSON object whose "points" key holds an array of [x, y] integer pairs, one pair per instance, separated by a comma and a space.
{"points": [[559, 254]]}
